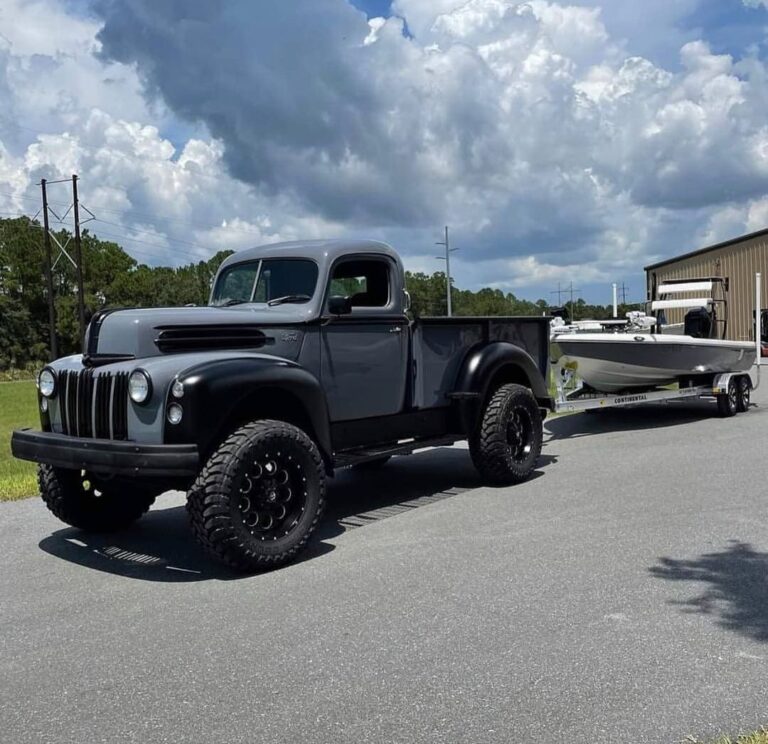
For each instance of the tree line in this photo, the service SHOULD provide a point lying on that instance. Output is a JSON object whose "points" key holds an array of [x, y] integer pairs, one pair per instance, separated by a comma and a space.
{"points": [[112, 278]]}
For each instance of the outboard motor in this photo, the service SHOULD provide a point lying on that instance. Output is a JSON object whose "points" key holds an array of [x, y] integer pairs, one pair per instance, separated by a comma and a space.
{"points": [[698, 323]]}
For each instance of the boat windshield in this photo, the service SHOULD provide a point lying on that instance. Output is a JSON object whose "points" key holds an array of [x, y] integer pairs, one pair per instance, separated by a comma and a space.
{"points": [[265, 281]]}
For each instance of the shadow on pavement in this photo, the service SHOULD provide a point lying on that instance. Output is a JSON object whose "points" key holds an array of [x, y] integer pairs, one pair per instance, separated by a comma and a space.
{"points": [[160, 547], [634, 418], [735, 591]]}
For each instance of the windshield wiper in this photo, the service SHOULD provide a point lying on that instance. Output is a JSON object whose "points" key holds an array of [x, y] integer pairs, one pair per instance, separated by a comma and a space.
{"points": [[229, 303], [289, 298]]}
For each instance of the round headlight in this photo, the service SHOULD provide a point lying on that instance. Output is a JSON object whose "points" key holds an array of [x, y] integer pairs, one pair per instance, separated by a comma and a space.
{"points": [[177, 389], [175, 412], [46, 382], [139, 386]]}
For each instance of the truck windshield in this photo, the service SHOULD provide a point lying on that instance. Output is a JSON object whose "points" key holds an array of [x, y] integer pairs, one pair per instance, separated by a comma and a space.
{"points": [[266, 280]]}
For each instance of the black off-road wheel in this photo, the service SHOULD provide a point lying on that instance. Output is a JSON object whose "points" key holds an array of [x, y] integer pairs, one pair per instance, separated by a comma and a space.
{"points": [[507, 442], [728, 403], [745, 391], [83, 501], [259, 497]]}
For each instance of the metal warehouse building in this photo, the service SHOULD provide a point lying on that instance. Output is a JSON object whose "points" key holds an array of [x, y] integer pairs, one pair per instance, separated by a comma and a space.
{"points": [[736, 260]]}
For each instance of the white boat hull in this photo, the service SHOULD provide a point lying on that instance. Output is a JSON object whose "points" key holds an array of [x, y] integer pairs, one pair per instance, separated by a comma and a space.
{"points": [[614, 362]]}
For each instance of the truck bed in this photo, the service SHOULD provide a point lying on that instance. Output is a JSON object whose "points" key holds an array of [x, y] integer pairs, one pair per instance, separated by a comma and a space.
{"points": [[440, 345]]}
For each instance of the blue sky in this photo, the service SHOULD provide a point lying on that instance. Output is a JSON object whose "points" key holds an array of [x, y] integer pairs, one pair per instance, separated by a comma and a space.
{"points": [[373, 8]]}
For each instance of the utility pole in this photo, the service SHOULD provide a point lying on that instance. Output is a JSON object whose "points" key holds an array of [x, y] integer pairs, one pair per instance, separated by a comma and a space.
{"points": [[558, 292], [573, 316], [49, 275], [79, 260], [447, 259]]}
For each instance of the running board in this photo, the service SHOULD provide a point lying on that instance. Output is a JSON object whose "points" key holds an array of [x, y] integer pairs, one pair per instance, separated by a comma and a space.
{"points": [[366, 454]]}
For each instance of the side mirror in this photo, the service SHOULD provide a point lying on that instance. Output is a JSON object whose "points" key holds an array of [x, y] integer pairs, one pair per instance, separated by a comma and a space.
{"points": [[338, 305]]}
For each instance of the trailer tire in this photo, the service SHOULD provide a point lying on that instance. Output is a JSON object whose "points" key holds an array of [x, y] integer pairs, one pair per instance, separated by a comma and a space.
{"points": [[728, 403], [507, 441], [259, 497], [744, 390], [81, 501]]}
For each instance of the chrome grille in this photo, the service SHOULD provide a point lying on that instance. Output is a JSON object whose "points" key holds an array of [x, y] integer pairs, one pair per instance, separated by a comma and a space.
{"points": [[94, 405]]}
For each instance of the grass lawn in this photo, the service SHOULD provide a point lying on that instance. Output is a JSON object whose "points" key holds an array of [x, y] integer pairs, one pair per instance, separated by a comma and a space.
{"points": [[759, 737], [18, 407]]}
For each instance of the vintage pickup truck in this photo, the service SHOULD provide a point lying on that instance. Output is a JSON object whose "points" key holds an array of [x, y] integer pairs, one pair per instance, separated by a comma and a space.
{"points": [[304, 362]]}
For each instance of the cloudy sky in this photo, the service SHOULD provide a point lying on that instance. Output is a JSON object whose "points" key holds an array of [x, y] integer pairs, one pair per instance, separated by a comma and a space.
{"points": [[561, 142]]}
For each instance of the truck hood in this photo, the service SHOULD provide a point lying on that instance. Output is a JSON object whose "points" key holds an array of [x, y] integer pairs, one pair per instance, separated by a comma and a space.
{"points": [[142, 333]]}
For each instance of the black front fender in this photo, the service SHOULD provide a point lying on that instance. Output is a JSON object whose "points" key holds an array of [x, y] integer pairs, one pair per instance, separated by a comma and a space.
{"points": [[218, 394]]}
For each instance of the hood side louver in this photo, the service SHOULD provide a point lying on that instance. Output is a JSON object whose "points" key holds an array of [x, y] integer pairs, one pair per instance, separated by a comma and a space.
{"points": [[181, 338]]}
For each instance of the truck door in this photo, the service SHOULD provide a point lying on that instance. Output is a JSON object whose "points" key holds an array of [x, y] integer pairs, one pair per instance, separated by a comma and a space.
{"points": [[364, 354]]}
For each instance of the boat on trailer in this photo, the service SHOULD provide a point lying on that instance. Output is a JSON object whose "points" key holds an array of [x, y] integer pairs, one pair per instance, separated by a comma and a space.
{"points": [[638, 362], [628, 359]]}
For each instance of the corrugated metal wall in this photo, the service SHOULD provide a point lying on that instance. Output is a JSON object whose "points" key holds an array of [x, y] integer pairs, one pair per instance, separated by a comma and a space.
{"points": [[738, 263]]}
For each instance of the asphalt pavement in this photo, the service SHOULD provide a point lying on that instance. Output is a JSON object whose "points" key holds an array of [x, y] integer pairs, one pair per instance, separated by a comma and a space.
{"points": [[621, 595]]}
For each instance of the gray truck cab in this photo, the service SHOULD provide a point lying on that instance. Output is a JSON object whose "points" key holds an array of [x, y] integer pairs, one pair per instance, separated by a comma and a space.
{"points": [[303, 362], [352, 297]]}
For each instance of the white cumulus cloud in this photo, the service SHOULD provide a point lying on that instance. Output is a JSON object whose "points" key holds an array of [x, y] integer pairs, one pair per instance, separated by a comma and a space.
{"points": [[548, 144]]}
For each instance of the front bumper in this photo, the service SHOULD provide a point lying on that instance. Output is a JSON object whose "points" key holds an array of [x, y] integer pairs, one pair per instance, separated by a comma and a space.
{"points": [[106, 455]]}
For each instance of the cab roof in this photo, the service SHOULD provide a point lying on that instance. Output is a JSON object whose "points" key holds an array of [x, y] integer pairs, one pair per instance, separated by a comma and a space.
{"points": [[322, 251]]}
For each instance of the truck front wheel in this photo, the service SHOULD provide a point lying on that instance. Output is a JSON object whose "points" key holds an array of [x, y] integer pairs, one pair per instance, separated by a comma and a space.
{"points": [[259, 497], [507, 441], [82, 501]]}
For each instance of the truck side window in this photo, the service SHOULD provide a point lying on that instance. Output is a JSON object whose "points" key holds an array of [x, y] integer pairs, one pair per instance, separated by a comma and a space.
{"points": [[365, 282]]}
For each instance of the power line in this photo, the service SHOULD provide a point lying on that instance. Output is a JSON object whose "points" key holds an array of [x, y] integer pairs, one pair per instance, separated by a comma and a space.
{"points": [[122, 236], [132, 249], [152, 232], [568, 290], [153, 245], [153, 218]]}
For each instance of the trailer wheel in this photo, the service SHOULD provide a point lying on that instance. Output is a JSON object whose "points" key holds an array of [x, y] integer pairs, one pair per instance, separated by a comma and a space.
{"points": [[259, 497], [90, 505], [744, 390], [507, 442], [728, 403]]}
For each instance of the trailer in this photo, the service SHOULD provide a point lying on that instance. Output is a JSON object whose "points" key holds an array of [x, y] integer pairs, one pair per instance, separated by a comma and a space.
{"points": [[731, 390]]}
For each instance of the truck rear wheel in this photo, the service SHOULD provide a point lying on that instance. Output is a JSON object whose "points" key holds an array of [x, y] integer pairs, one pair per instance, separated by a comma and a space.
{"points": [[507, 442], [259, 497], [82, 501]]}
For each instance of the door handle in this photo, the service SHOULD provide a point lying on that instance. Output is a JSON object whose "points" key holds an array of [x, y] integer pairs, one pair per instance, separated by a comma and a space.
{"points": [[396, 329]]}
